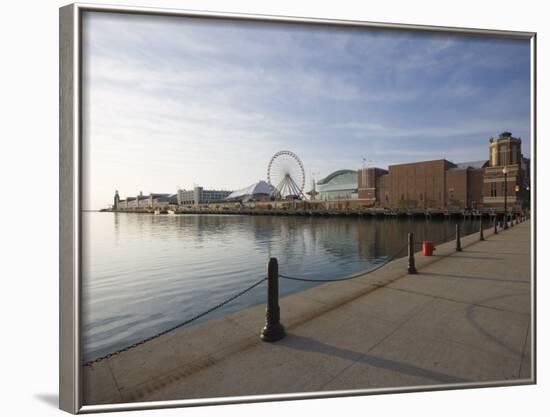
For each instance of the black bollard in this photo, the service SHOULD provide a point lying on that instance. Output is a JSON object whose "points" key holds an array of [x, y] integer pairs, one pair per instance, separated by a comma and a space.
{"points": [[481, 237], [496, 227], [412, 268], [458, 247], [273, 329]]}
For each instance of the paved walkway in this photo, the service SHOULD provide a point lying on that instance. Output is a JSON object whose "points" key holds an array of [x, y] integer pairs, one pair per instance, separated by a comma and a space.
{"points": [[466, 317]]}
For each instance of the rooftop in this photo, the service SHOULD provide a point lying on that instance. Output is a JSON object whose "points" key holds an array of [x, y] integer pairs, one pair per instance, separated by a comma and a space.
{"points": [[260, 187], [471, 164], [335, 174]]}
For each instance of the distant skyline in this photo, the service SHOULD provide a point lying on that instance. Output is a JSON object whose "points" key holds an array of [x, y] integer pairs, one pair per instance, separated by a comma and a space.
{"points": [[170, 102]]}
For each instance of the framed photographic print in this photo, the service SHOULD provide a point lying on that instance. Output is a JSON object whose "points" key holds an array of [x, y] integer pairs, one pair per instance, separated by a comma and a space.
{"points": [[257, 208]]}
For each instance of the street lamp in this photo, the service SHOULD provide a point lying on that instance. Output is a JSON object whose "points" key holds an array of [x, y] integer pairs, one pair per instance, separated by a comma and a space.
{"points": [[505, 172]]}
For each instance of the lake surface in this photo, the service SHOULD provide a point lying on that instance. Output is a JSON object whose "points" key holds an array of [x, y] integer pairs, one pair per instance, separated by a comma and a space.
{"points": [[142, 274]]}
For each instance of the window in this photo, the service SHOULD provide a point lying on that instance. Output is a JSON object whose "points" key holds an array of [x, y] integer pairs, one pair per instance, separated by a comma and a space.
{"points": [[493, 189], [421, 197]]}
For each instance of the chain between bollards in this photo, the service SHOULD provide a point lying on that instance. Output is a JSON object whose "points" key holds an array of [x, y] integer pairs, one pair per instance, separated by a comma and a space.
{"points": [[458, 247], [411, 268], [273, 329]]}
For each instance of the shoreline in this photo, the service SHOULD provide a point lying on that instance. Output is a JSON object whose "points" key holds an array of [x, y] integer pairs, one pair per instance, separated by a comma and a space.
{"points": [[361, 213]]}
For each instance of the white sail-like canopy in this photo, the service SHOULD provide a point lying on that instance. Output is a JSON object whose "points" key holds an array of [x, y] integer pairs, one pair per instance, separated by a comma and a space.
{"points": [[260, 188]]}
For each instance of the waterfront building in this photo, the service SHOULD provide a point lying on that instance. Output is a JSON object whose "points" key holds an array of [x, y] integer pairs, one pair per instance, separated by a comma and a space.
{"points": [[442, 184], [142, 201], [145, 201], [368, 185], [259, 191], [505, 152], [434, 184], [339, 185], [198, 195]]}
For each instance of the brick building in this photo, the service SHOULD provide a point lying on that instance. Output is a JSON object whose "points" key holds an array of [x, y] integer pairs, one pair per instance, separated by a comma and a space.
{"points": [[368, 184], [505, 152], [441, 184]]}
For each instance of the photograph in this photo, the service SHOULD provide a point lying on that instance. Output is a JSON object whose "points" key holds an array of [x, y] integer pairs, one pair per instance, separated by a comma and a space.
{"points": [[273, 206]]}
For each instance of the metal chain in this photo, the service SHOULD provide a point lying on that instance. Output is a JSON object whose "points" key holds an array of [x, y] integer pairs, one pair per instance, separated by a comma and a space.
{"points": [[198, 316], [359, 274]]}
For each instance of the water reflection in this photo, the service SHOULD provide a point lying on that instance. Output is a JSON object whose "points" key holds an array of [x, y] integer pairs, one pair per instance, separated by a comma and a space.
{"points": [[143, 274]]}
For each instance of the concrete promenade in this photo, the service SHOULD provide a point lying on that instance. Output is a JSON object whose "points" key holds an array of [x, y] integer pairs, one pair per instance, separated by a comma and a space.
{"points": [[465, 317]]}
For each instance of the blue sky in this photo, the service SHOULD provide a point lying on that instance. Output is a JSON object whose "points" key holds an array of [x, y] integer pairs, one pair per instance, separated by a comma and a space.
{"points": [[172, 102]]}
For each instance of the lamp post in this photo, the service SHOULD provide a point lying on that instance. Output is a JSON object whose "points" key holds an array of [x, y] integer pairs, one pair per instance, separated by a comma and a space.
{"points": [[505, 172]]}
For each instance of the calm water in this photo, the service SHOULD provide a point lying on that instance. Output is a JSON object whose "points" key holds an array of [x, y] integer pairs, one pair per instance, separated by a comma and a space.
{"points": [[143, 274]]}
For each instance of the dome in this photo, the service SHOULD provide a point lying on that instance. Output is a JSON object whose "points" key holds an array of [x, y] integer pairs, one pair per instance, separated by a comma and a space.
{"points": [[344, 179], [340, 185]]}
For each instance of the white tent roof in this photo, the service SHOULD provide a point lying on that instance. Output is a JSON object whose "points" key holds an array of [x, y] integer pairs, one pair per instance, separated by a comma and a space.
{"points": [[260, 187]]}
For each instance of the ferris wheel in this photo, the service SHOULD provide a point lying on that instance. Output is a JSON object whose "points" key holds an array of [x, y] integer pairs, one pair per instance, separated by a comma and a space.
{"points": [[285, 173]]}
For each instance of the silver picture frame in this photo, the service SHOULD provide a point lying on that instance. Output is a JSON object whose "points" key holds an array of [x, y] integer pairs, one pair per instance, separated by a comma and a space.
{"points": [[70, 155]]}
